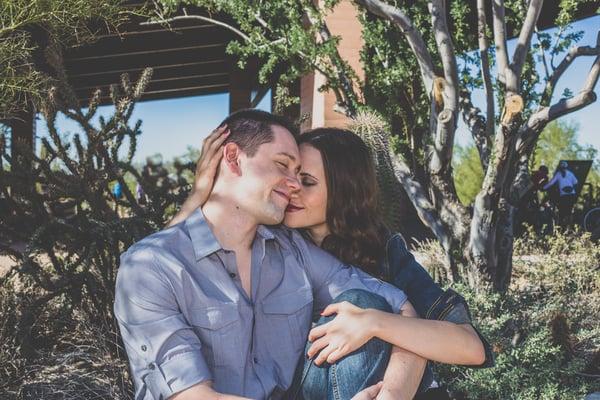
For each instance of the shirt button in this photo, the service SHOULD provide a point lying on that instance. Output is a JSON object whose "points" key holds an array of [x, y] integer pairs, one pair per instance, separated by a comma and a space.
{"points": [[144, 348], [255, 360], [232, 274], [151, 366]]}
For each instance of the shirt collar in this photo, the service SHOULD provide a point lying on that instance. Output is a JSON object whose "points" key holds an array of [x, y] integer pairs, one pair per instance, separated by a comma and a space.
{"points": [[205, 242]]}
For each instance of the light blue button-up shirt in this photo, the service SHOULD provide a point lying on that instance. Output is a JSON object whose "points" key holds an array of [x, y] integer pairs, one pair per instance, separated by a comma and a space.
{"points": [[185, 318]]}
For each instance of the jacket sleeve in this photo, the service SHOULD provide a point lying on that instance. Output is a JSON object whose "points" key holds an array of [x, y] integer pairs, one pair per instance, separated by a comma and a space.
{"points": [[428, 298]]}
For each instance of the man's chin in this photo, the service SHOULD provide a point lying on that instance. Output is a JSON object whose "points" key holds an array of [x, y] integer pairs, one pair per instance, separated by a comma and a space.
{"points": [[274, 216]]}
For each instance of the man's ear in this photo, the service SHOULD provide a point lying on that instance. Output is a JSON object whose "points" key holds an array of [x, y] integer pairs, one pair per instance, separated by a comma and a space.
{"points": [[231, 157]]}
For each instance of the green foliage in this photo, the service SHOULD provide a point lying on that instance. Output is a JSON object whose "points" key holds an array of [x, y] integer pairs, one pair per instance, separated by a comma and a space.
{"points": [[468, 173], [31, 30], [544, 330]]}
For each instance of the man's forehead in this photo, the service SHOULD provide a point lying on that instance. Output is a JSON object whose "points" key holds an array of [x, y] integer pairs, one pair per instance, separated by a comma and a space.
{"points": [[285, 143]]}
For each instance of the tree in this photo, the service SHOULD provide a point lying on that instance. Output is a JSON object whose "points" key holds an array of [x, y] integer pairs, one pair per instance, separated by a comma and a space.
{"points": [[31, 31], [557, 142], [415, 38]]}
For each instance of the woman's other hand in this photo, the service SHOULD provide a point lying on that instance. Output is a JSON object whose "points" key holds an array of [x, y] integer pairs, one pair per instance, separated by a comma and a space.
{"points": [[351, 328]]}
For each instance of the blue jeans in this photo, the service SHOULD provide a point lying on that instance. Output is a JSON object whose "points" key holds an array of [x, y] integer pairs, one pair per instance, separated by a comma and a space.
{"points": [[353, 373]]}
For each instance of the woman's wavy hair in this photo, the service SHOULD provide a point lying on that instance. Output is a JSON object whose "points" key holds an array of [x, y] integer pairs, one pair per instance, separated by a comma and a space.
{"points": [[358, 234]]}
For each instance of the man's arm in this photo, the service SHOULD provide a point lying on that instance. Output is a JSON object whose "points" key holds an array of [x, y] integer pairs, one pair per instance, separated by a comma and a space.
{"points": [[164, 352], [402, 376], [203, 391]]}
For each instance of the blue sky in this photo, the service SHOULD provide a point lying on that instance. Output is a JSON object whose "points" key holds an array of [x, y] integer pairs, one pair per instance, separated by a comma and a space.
{"points": [[170, 126]]}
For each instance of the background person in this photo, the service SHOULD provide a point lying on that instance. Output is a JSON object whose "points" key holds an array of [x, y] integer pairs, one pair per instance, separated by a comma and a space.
{"points": [[567, 192]]}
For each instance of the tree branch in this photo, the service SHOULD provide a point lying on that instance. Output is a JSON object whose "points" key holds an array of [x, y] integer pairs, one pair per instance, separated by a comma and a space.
{"points": [[478, 127], [571, 55], [417, 195], [414, 38], [500, 39], [443, 41], [537, 121], [485, 69], [524, 43]]}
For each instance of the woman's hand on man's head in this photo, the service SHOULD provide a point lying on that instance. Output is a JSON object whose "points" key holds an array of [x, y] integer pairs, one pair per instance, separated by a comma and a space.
{"points": [[208, 163]]}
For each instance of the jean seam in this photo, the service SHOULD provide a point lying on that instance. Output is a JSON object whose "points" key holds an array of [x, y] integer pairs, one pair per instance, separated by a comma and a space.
{"points": [[334, 382]]}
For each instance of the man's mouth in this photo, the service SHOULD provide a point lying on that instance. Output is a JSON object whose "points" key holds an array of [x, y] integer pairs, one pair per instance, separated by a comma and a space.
{"points": [[285, 196]]}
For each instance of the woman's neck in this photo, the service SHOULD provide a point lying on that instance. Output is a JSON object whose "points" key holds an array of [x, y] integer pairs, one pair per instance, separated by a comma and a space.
{"points": [[318, 233]]}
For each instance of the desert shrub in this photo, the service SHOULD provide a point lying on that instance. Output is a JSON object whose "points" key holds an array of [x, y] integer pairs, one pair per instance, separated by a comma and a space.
{"points": [[544, 330]]}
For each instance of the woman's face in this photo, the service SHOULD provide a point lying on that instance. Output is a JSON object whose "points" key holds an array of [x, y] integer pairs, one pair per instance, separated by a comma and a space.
{"points": [[308, 209]]}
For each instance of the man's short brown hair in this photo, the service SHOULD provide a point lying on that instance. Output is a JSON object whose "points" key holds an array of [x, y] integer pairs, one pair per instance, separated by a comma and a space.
{"points": [[250, 128]]}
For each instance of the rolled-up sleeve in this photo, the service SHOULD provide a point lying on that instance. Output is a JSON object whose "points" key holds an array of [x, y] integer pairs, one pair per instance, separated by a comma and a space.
{"points": [[330, 278], [164, 352]]}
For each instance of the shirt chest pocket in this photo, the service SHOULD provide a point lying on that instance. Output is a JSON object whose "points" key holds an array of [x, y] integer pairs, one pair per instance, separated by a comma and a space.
{"points": [[219, 330], [288, 320]]}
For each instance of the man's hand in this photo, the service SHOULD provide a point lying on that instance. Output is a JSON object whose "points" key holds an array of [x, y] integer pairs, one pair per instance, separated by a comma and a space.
{"points": [[348, 331], [369, 393]]}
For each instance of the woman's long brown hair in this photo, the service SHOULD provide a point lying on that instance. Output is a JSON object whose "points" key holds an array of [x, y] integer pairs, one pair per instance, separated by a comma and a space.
{"points": [[358, 233]]}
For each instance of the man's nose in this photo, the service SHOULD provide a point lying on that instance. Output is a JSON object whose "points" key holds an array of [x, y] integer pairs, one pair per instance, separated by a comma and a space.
{"points": [[293, 184]]}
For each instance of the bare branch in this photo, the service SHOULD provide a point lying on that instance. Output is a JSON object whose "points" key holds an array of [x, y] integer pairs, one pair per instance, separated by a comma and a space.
{"points": [[446, 51], [417, 195], [478, 127], [571, 55], [200, 18], [524, 42], [414, 38], [537, 121], [542, 54], [500, 39], [485, 69]]}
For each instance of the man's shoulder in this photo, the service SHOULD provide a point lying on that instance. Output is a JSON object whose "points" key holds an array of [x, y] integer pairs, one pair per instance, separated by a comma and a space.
{"points": [[158, 244]]}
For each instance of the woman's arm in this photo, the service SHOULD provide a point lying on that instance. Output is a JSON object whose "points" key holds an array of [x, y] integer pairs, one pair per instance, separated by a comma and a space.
{"points": [[204, 178], [353, 326], [440, 341]]}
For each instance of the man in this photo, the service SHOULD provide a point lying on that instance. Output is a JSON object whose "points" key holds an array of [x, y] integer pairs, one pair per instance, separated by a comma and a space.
{"points": [[219, 306], [567, 192]]}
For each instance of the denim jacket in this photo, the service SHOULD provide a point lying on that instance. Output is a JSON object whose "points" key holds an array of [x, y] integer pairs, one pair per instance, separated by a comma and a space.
{"points": [[427, 297]]}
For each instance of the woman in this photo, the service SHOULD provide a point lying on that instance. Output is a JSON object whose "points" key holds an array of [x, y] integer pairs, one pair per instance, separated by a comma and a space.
{"points": [[337, 208]]}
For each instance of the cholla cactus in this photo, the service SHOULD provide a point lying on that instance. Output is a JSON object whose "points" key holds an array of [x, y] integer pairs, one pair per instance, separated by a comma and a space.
{"points": [[73, 226]]}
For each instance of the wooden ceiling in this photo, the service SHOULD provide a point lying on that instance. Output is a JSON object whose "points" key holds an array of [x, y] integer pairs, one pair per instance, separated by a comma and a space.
{"points": [[188, 58]]}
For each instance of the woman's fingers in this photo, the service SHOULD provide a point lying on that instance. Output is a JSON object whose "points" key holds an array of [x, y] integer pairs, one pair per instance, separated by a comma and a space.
{"points": [[317, 346], [335, 355], [214, 135], [211, 154], [317, 332], [331, 309], [322, 357]]}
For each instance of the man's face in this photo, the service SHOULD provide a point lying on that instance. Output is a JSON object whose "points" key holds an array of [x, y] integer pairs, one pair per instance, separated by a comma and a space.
{"points": [[269, 178]]}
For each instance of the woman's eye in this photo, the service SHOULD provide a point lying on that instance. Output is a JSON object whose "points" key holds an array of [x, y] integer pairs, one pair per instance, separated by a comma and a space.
{"points": [[308, 183], [282, 164]]}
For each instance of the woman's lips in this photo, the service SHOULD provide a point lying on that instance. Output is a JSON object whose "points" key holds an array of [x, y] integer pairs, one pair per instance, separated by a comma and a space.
{"points": [[292, 208]]}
